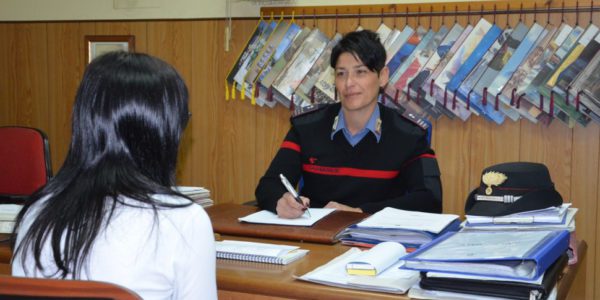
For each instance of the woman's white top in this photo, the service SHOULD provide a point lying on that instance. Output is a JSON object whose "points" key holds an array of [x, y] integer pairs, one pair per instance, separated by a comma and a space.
{"points": [[170, 257]]}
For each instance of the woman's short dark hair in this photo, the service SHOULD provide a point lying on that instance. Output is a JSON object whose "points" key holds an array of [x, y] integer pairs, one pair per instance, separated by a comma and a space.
{"points": [[365, 46], [129, 115]]}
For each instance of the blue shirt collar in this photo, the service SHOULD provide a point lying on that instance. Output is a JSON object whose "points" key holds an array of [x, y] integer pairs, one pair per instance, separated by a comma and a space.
{"points": [[373, 125]]}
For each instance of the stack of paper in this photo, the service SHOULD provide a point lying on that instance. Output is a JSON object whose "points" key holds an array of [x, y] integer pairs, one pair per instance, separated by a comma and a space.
{"points": [[198, 194], [392, 280], [493, 286], [8, 215], [410, 228], [551, 218]]}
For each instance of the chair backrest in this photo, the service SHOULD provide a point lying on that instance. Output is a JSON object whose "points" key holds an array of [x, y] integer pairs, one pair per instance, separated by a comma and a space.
{"points": [[24, 161], [33, 288]]}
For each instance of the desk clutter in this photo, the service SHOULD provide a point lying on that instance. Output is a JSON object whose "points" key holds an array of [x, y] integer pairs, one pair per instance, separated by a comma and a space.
{"points": [[198, 194], [8, 215], [537, 73], [515, 243], [410, 228], [391, 279]]}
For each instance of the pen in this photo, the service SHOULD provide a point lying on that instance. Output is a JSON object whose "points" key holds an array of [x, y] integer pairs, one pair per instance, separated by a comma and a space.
{"points": [[292, 191]]}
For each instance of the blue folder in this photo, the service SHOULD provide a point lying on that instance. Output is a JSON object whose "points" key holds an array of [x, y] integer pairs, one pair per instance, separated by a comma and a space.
{"points": [[502, 254]]}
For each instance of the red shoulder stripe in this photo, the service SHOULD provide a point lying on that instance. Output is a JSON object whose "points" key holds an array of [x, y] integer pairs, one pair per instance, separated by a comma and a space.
{"points": [[351, 172], [410, 161], [290, 145]]}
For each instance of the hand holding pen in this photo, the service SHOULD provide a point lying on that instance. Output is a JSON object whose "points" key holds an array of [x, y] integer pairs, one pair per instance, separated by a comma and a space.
{"points": [[286, 207]]}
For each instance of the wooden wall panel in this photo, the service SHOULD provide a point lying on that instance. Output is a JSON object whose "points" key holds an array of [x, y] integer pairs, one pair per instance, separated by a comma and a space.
{"points": [[271, 128], [596, 252], [7, 115], [552, 146], [29, 70], [586, 142], [237, 133], [206, 103], [172, 41], [66, 63], [229, 144], [452, 138]]}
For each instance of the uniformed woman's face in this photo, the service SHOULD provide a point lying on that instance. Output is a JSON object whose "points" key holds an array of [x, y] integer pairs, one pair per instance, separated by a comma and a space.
{"points": [[357, 86]]}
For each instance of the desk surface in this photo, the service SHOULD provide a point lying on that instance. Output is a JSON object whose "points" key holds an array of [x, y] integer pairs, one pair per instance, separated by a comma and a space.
{"points": [[267, 280], [278, 281]]}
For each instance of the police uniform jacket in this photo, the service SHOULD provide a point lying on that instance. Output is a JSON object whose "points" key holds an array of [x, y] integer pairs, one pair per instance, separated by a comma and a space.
{"points": [[399, 171]]}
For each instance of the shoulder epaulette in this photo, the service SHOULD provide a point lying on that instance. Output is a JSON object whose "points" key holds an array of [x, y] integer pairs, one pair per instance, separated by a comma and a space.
{"points": [[415, 119], [411, 116], [301, 111]]}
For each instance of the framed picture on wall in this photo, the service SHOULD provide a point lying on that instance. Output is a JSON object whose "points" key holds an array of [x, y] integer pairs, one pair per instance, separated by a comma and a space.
{"points": [[96, 45]]}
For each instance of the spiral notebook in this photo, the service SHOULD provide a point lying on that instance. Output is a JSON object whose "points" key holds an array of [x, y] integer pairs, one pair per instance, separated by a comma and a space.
{"points": [[259, 252]]}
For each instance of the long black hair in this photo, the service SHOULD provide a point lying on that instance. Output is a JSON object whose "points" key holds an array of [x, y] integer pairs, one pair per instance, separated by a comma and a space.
{"points": [[129, 114]]}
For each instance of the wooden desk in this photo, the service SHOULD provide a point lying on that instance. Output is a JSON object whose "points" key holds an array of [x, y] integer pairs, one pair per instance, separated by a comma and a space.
{"points": [[248, 280], [5, 254], [263, 281]]}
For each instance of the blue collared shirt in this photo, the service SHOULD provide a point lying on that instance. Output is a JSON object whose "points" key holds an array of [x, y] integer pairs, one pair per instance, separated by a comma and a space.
{"points": [[355, 139]]}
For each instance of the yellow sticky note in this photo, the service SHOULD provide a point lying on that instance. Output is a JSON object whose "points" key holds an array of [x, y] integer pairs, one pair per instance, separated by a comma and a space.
{"points": [[371, 272]]}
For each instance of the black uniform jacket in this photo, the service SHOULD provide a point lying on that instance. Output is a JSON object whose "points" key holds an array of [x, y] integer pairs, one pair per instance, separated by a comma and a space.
{"points": [[399, 171]]}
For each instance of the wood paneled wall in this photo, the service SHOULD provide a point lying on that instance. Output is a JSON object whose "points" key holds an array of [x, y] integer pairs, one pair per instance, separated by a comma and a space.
{"points": [[229, 144]]}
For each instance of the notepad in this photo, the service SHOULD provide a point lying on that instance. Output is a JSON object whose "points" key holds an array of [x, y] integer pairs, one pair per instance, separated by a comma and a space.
{"points": [[259, 252], [376, 260], [267, 217]]}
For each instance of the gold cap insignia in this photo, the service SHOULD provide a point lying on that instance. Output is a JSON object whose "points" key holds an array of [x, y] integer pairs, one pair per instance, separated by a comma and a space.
{"points": [[492, 178], [378, 126], [335, 121]]}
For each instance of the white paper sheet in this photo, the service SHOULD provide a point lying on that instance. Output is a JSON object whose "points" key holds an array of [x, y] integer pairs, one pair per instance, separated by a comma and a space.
{"points": [[392, 280], [409, 220], [267, 217]]}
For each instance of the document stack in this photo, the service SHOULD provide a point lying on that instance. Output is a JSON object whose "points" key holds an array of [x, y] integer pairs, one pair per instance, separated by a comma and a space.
{"points": [[513, 265], [8, 215], [410, 228], [375, 270], [551, 218], [198, 194]]}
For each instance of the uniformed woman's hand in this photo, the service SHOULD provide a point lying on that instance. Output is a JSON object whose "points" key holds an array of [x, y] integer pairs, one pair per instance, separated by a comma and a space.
{"points": [[339, 206], [289, 208]]}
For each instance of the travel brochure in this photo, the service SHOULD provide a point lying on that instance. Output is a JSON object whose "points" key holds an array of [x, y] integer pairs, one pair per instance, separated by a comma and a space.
{"points": [[536, 73]]}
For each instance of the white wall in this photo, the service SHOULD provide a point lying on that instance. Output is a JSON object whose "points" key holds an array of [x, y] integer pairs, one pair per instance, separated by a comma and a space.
{"points": [[43, 10]]}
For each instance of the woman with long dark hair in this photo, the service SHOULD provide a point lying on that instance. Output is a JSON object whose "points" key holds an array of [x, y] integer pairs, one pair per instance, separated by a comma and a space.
{"points": [[110, 213]]}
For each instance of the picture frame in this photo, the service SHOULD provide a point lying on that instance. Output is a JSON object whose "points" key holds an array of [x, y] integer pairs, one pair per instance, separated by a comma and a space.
{"points": [[96, 45]]}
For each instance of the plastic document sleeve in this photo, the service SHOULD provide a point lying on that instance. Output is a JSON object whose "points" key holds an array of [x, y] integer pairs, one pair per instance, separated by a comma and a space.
{"points": [[519, 255]]}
